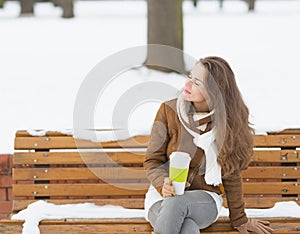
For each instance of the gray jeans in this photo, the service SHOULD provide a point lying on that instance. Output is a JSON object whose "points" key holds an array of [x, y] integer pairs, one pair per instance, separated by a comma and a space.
{"points": [[184, 214]]}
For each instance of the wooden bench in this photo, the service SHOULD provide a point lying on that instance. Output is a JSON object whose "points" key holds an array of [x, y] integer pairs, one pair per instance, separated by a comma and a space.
{"points": [[53, 169]]}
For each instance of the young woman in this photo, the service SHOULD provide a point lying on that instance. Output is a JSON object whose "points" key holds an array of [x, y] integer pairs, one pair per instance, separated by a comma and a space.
{"points": [[209, 121]]}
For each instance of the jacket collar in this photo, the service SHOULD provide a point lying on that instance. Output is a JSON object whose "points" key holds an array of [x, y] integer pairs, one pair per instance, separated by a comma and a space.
{"points": [[188, 115]]}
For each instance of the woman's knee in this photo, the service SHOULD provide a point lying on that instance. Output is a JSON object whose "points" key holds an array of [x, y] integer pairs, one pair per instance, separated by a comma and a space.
{"points": [[175, 204]]}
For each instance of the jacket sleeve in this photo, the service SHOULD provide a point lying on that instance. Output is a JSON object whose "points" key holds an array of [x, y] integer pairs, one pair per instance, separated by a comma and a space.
{"points": [[156, 158], [234, 194]]}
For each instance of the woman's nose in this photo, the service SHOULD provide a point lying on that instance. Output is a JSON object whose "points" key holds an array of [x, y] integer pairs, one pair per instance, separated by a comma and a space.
{"points": [[188, 83]]}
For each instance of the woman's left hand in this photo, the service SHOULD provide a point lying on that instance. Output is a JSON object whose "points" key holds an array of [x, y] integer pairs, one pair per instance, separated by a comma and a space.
{"points": [[255, 225]]}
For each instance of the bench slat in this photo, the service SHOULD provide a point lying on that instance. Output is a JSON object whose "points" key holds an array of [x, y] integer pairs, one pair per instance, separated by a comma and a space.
{"points": [[272, 172], [68, 142], [131, 157], [265, 201], [286, 140], [129, 226], [138, 225], [271, 188], [77, 158], [79, 173], [136, 173], [276, 156], [132, 189], [79, 189]]}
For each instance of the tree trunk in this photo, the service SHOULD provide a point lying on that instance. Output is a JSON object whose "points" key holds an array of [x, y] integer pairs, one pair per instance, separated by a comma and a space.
{"points": [[1, 3], [27, 7], [67, 7], [221, 4], [195, 3], [251, 5], [165, 27]]}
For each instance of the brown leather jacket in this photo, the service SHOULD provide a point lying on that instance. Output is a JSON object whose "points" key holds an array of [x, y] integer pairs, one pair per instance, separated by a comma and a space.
{"points": [[168, 135]]}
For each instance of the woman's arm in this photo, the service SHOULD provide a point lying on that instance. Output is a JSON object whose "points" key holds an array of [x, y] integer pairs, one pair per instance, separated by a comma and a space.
{"points": [[234, 194], [156, 159]]}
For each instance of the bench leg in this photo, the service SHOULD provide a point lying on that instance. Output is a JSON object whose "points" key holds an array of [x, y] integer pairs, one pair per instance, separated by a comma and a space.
{"points": [[27, 7]]}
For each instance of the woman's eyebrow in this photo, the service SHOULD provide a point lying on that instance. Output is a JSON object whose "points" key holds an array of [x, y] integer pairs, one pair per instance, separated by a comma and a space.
{"points": [[190, 75]]}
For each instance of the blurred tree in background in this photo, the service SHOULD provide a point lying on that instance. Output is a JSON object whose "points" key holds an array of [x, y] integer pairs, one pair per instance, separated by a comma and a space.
{"points": [[165, 27], [1, 3]]}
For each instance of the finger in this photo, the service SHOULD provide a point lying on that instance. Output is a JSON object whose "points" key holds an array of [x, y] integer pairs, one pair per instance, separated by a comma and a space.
{"points": [[169, 188], [187, 184], [171, 193], [263, 229], [264, 225], [264, 222], [257, 230], [168, 194], [257, 226], [167, 181], [266, 229], [243, 231], [165, 193]]}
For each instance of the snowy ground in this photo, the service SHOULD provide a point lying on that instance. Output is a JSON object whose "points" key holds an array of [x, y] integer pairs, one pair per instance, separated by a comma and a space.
{"points": [[44, 59]]}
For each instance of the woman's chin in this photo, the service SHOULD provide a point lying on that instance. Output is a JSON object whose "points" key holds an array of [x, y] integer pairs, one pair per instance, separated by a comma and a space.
{"points": [[185, 97]]}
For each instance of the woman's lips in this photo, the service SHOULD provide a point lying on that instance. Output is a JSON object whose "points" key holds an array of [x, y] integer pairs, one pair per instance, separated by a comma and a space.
{"points": [[186, 91]]}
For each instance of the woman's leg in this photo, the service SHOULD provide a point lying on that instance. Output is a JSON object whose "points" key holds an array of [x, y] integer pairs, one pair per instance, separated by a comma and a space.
{"points": [[189, 227], [154, 212], [168, 216], [201, 208]]}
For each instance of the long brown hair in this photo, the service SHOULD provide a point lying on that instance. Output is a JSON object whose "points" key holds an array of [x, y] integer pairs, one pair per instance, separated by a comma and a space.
{"points": [[234, 136]]}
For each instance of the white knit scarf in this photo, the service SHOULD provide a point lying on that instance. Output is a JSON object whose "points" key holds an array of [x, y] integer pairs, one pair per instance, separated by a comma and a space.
{"points": [[205, 141]]}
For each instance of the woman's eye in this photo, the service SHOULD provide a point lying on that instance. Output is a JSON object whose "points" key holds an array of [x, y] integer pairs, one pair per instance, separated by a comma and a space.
{"points": [[197, 82]]}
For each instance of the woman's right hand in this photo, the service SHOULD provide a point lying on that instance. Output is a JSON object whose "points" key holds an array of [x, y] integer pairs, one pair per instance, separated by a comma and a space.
{"points": [[168, 189], [255, 225]]}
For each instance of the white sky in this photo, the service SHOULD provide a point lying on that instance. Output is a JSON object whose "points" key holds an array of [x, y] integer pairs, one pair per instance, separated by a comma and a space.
{"points": [[44, 59]]}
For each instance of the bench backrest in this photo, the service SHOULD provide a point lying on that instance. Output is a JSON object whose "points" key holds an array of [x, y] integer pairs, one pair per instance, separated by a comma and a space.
{"points": [[57, 168]]}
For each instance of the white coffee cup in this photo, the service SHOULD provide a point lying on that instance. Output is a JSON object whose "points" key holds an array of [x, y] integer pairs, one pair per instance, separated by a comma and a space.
{"points": [[178, 170]]}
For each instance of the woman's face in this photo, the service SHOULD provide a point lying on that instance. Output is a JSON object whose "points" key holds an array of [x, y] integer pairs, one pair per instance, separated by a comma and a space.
{"points": [[194, 90]]}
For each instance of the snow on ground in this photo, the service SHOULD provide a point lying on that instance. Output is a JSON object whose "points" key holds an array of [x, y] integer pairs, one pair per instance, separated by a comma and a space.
{"points": [[45, 59]]}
